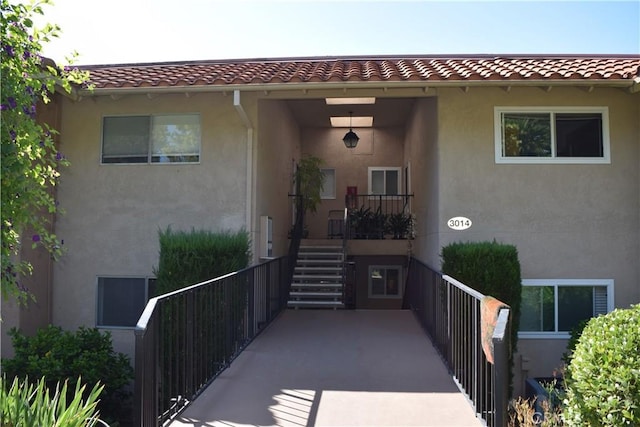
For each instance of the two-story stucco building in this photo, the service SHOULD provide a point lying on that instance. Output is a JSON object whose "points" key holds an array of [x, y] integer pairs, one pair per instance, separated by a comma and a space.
{"points": [[539, 152]]}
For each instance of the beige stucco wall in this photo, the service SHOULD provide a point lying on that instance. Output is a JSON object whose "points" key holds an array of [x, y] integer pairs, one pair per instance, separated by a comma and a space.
{"points": [[278, 145], [114, 212], [421, 153], [567, 221]]}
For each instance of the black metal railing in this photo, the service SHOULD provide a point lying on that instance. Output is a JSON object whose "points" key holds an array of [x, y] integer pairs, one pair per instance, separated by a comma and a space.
{"points": [[450, 312], [186, 338], [377, 216]]}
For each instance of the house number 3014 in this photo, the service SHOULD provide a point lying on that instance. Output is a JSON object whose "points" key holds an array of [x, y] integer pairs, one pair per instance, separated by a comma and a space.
{"points": [[459, 223]]}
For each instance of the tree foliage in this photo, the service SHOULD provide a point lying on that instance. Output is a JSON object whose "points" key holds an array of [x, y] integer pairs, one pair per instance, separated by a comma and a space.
{"points": [[30, 162]]}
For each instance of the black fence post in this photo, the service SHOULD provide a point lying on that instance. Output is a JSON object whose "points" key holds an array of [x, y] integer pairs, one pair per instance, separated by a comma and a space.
{"points": [[251, 306], [189, 343]]}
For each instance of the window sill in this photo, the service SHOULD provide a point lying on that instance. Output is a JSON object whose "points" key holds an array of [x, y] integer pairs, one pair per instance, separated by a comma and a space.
{"points": [[544, 335], [553, 160]]}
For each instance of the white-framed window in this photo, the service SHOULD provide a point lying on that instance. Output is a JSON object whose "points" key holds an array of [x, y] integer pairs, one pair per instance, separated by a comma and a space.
{"points": [[552, 308], [385, 180], [552, 135], [385, 281], [169, 138], [121, 300], [329, 184]]}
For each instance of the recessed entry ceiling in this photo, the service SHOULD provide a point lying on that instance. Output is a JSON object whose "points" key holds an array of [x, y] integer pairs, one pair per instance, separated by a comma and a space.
{"points": [[386, 112]]}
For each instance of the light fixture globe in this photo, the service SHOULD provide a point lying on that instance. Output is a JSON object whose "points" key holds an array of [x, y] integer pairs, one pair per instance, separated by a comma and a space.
{"points": [[350, 139]]}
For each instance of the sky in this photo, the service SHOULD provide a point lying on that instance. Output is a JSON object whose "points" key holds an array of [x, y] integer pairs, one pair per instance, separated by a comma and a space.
{"points": [[138, 31]]}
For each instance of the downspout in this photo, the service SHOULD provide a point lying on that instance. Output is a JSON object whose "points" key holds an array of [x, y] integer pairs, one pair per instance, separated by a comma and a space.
{"points": [[249, 172]]}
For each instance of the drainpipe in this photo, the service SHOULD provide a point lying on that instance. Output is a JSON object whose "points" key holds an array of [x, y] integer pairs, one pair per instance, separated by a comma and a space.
{"points": [[249, 177]]}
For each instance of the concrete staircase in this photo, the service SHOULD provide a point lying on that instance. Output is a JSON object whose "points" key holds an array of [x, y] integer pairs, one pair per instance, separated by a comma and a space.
{"points": [[317, 279]]}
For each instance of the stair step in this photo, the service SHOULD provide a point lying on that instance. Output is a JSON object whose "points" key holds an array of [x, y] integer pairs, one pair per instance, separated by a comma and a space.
{"points": [[315, 261], [320, 248], [304, 294], [324, 304], [321, 256], [313, 285], [317, 277], [323, 269]]}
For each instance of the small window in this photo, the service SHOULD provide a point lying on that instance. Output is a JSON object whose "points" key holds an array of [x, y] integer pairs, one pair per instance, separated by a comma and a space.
{"points": [[329, 184], [385, 281], [555, 307], [121, 300], [384, 181], [552, 135], [151, 139]]}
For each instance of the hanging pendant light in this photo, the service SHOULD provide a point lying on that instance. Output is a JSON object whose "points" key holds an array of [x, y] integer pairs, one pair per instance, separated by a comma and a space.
{"points": [[350, 139]]}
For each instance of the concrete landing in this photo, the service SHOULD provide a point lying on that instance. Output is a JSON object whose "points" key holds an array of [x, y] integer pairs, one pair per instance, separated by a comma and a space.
{"points": [[335, 368]]}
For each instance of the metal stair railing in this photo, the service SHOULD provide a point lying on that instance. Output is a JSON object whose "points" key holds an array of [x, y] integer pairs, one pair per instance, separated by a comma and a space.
{"points": [[186, 338], [450, 313]]}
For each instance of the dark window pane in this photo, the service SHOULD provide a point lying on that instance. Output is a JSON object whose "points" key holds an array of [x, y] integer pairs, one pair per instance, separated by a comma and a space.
{"points": [[527, 135], [575, 303], [537, 309], [579, 135], [393, 280], [125, 139], [120, 301], [391, 181], [377, 280], [377, 182]]}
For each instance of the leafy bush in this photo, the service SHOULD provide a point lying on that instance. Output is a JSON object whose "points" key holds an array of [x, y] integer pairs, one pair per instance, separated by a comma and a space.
{"points": [[187, 258], [59, 355], [27, 405], [492, 269], [603, 378]]}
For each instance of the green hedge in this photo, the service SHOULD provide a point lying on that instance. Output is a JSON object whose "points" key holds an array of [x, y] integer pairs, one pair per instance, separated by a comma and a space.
{"points": [[492, 269], [59, 355], [187, 258], [603, 377]]}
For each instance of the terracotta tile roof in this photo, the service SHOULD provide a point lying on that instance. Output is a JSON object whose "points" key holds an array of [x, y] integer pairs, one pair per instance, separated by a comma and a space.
{"points": [[458, 69]]}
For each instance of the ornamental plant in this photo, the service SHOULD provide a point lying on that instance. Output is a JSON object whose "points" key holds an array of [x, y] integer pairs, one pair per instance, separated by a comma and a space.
{"points": [[24, 404], [30, 161], [603, 377]]}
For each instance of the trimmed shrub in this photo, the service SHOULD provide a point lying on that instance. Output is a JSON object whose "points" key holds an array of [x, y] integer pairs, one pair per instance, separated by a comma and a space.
{"points": [[492, 269], [603, 377], [59, 356], [187, 258], [25, 404]]}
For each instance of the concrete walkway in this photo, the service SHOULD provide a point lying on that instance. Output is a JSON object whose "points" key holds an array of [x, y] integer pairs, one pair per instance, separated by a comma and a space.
{"points": [[335, 368]]}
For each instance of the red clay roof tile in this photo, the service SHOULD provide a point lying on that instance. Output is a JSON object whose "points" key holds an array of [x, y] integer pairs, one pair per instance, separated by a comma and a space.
{"points": [[381, 69]]}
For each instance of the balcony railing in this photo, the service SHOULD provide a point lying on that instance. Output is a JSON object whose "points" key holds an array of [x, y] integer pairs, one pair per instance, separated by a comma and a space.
{"points": [[186, 338], [378, 216], [450, 312]]}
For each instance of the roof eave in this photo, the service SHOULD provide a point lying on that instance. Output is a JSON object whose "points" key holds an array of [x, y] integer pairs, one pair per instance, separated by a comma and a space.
{"points": [[633, 86]]}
